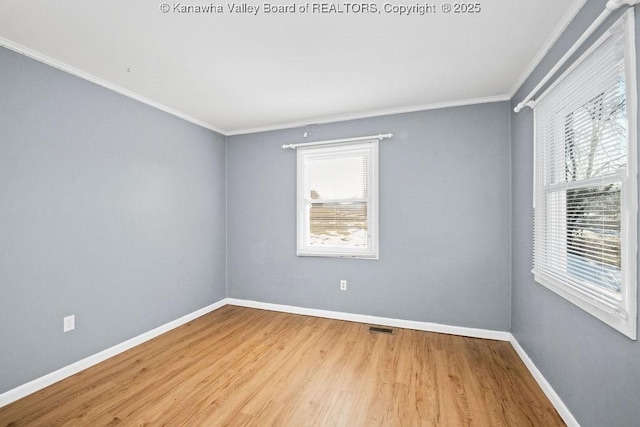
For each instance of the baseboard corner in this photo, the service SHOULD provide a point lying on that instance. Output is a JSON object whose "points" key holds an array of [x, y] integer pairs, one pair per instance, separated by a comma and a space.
{"points": [[551, 394]]}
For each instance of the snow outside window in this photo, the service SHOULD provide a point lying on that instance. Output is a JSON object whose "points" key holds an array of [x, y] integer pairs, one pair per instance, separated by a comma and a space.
{"points": [[338, 200], [585, 239]]}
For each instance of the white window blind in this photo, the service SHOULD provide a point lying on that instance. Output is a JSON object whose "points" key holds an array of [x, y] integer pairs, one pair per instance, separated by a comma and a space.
{"points": [[585, 182], [337, 200]]}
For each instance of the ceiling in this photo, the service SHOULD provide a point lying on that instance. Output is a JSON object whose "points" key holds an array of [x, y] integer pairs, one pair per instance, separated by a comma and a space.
{"points": [[240, 72]]}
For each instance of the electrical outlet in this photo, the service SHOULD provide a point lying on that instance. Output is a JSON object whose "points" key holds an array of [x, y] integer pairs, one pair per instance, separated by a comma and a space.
{"points": [[69, 323], [343, 285]]}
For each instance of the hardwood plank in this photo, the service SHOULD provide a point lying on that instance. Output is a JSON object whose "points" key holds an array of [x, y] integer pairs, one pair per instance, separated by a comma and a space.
{"points": [[247, 367]]}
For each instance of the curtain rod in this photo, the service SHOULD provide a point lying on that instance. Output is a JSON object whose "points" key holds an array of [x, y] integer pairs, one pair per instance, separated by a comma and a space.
{"points": [[379, 137], [611, 6]]}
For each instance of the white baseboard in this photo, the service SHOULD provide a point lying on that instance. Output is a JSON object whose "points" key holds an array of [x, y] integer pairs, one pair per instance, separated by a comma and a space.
{"points": [[562, 409], [384, 321], [62, 373], [553, 397]]}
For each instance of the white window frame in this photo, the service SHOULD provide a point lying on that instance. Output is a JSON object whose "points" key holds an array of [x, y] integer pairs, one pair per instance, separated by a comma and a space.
{"points": [[624, 320], [371, 251]]}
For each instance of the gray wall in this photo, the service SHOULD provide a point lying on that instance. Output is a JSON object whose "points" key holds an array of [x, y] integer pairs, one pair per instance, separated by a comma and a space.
{"points": [[444, 221], [594, 369], [115, 212], [109, 209]]}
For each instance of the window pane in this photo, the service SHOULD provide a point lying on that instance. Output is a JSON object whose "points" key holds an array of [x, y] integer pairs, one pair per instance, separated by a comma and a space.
{"points": [[593, 235], [596, 136], [342, 225], [585, 205], [337, 200], [338, 177]]}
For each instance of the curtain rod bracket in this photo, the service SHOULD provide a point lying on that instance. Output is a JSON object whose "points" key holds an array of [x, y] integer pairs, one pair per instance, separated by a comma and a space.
{"points": [[615, 4], [611, 6], [520, 106]]}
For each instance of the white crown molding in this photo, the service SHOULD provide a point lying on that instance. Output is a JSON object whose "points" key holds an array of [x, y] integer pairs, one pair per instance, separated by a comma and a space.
{"points": [[370, 114], [72, 369], [546, 47], [375, 320], [93, 79], [565, 21], [287, 125], [562, 409]]}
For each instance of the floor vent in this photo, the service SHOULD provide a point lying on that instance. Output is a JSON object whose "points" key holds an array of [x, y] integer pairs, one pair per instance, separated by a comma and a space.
{"points": [[380, 330]]}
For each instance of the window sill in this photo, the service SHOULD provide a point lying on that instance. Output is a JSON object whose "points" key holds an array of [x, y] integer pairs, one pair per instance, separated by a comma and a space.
{"points": [[626, 326]]}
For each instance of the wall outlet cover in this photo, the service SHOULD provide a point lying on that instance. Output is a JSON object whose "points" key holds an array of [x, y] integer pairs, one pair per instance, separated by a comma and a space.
{"points": [[69, 323]]}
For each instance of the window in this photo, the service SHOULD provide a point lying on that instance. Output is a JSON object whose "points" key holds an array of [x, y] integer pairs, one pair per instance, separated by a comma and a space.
{"points": [[338, 200], [586, 186]]}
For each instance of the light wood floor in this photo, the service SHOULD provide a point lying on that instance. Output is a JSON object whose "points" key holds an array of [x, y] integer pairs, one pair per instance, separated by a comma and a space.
{"points": [[241, 366]]}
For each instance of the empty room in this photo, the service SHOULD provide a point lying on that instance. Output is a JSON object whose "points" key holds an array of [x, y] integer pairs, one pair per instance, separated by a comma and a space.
{"points": [[319, 213]]}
